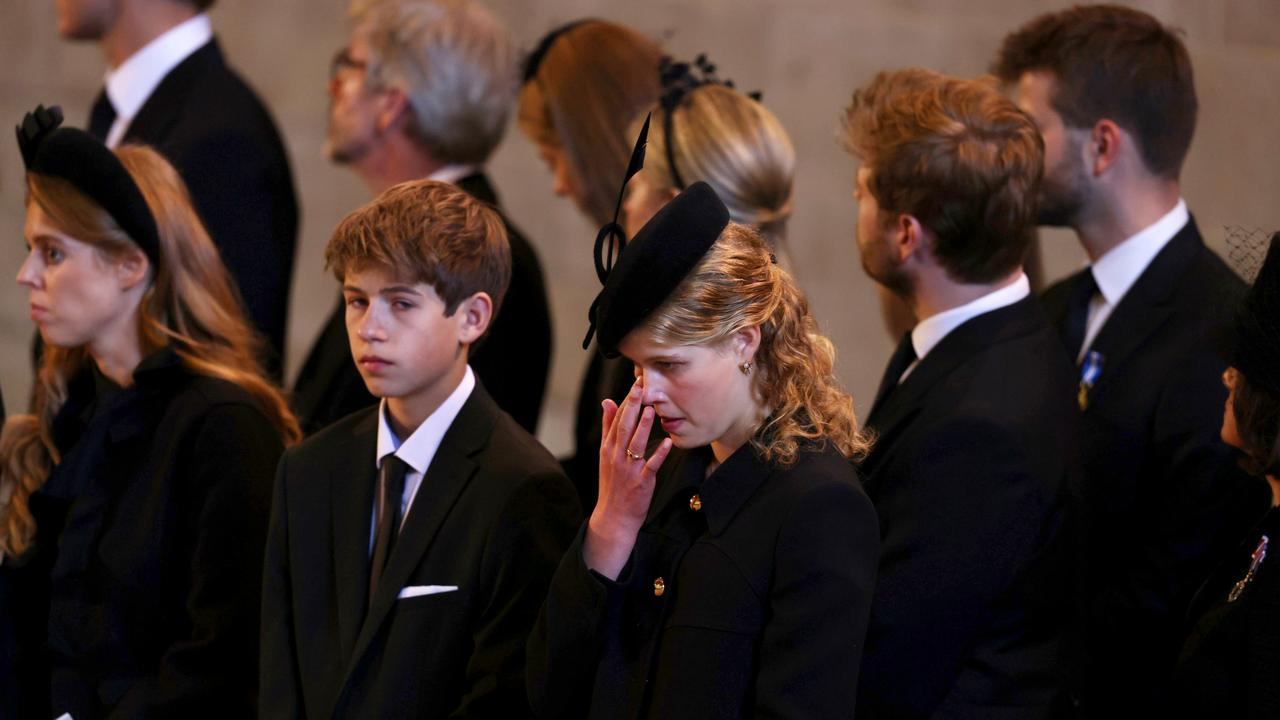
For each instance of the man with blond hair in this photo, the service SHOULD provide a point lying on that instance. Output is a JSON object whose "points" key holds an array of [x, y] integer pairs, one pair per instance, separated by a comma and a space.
{"points": [[974, 460], [423, 90]]}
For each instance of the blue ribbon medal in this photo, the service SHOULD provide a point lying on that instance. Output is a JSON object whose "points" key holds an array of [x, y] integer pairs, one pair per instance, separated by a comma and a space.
{"points": [[1090, 371]]}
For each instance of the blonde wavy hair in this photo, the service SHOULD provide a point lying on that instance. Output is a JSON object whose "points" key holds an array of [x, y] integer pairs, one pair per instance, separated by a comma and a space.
{"points": [[191, 306], [734, 144], [736, 286]]}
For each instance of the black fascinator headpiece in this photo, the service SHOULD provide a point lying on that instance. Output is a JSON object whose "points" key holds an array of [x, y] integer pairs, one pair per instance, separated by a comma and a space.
{"points": [[612, 233], [1256, 340], [535, 58], [74, 155], [679, 79]]}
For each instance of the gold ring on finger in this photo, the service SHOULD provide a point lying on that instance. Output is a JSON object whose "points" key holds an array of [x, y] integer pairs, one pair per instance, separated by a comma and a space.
{"points": [[634, 456]]}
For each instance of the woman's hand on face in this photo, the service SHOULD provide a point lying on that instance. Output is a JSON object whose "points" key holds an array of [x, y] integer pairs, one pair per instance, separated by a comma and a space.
{"points": [[627, 480]]}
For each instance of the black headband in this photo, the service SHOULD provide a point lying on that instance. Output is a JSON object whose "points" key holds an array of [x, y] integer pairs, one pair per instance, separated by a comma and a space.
{"points": [[678, 81], [80, 159], [534, 61]]}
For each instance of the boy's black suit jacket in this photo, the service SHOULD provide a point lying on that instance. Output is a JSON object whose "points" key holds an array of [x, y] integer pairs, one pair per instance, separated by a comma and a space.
{"points": [[493, 515], [212, 127], [1164, 498], [972, 475]]}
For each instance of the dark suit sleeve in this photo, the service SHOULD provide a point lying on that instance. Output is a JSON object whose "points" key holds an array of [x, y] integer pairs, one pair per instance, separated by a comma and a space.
{"points": [[251, 214], [280, 691], [825, 568], [213, 670], [970, 520], [564, 647], [524, 546]]}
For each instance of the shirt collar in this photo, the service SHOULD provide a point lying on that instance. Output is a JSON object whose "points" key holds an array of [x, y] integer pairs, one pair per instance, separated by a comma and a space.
{"points": [[1118, 269], [421, 446], [129, 85], [929, 332], [453, 173]]}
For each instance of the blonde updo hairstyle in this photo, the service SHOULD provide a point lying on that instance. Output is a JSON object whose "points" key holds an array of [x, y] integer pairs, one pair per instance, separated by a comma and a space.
{"points": [[734, 144], [190, 306], [737, 285]]}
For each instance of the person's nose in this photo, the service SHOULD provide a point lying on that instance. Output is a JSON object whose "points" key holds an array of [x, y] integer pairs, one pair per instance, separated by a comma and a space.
{"points": [[29, 275]]}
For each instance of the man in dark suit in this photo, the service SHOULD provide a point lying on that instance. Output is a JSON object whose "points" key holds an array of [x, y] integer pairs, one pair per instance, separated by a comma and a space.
{"points": [[412, 543], [396, 114], [168, 86], [974, 461], [1111, 90]]}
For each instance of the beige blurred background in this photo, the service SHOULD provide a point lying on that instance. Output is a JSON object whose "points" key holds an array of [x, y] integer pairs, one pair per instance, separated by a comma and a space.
{"points": [[806, 55]]}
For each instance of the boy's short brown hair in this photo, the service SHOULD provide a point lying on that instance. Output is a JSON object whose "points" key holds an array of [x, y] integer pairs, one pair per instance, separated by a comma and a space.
{"points": [[431, 232], [956, 155], [1112, 62]]}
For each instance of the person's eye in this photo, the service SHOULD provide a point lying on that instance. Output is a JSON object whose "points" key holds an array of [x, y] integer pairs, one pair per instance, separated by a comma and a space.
{"points": [[357, 302], [668, 365], [402, 305], [53, 255]]}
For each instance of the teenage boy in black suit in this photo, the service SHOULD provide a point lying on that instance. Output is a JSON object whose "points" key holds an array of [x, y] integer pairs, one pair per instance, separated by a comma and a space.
{"points": [[973, 465], [411, 544], [423, 90], [1111, 90], [169, 87]]}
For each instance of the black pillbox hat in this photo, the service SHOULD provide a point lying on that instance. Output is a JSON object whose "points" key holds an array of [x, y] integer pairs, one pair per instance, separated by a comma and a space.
{"points": [[656, 261], [82, 160]]}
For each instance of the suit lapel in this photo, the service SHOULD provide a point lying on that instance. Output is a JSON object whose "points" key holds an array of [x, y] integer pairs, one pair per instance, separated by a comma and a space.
{"points": [[979, 334], [451, 469], [155, 117], [351, 495], [1147, 305]]}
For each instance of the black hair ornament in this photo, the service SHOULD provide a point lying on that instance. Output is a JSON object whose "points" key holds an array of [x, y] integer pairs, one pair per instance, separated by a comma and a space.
{"points": [[535, 58], [79, 158], [613, 233], [679, 79]]}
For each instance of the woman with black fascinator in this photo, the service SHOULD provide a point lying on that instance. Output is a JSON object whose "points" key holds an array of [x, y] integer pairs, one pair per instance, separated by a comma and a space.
{"points": [[1230, 664], [725, 571], [133, 502]]}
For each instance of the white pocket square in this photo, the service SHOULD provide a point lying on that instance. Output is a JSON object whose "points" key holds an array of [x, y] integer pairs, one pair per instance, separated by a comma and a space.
{"points": [[416, 590]]}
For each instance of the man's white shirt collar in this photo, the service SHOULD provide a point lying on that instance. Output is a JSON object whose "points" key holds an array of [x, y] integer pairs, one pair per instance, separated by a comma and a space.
{"points": [[929, 332], [420, 448], [129, 85], [453, 173], [1117, 270]]}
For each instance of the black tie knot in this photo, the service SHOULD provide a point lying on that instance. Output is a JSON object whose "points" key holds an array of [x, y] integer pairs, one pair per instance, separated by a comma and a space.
{"points": [[1083, 289]]}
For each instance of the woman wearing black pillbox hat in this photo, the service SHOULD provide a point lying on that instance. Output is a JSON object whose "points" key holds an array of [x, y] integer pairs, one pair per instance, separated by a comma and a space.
{"points": [[133, 502], [1230, 664], [726, 571]]}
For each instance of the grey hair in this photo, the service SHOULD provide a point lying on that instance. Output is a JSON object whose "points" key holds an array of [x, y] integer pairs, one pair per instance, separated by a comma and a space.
{"points": [[454, 62]]}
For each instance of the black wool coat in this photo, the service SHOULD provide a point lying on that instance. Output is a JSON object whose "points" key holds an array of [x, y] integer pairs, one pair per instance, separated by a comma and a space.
{"points": [[972, 476], [161, 499], [746, 595], [219, 136], [513, 360], [492, 517], [1164, 498]]}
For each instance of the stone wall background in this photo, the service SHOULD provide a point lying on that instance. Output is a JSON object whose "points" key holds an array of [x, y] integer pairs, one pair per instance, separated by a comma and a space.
{"points": [[806, 55]]}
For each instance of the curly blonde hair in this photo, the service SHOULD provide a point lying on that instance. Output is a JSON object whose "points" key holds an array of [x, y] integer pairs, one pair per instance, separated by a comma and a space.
{"points": [[737, 285], [191, 307]]}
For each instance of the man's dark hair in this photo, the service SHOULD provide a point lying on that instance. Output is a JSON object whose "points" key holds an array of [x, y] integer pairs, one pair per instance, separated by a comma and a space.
{"points": [[1117, 63], [202, 5]]}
